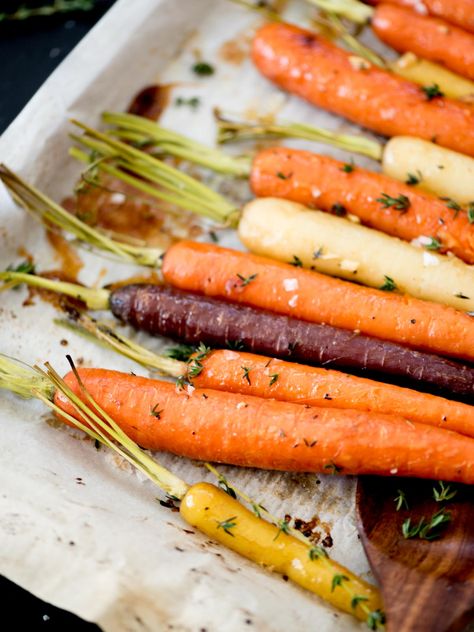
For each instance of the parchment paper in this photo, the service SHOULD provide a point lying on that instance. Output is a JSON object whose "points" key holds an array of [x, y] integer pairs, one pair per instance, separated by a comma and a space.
{"points": [[76, 528]]}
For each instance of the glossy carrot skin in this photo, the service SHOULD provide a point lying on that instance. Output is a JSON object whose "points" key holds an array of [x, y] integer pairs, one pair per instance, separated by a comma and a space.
{"points": [[309, 66], [308, 295], [291, 382], [320, 182], [253, 432], [459, 12], [428, 37]]}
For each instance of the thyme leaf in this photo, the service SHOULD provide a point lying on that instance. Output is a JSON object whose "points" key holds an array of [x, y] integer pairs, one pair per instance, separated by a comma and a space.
{"points": [[316, 553], [337, 581], [401, 500], [375, 619], [444, 493], [413, 178], [356, 600], [180, 352], [332, 468], [244, 281], [432, 91], [273, 378], [203, 69], [296, 262], [339, 209], [389, 284], [155, 412], [192, 102], [427, 530], [246, 376], [227, 525], [348, 167], [283, 527], [399, 203], [470, 213]]}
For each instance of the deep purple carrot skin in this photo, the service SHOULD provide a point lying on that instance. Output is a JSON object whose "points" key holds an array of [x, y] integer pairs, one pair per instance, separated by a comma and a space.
{"points": [[193, 318]]}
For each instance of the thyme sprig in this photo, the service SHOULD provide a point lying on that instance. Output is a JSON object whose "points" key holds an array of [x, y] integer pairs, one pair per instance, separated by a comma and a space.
{"points": [[227, 524], [400, 500], [427, 529], [444, 493], [389, 284], [433, 91], [399, 203], [195, 365]]}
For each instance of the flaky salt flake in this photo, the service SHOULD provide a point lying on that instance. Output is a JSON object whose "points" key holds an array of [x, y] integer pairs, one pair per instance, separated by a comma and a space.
{"points": [[290, 285]]}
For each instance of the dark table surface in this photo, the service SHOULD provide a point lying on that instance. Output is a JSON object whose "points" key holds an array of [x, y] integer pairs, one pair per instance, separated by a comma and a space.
{"points": [[30, 50]]}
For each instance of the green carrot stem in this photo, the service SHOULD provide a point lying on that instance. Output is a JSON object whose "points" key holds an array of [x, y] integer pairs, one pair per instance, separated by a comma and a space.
{"points": [[263, 10], [99, 425], [110, 338], [351, 9], [97, 299], [173, 185], [353, 43], [21, 379], [51, 213], [145, 132], [231, 131], [121, 171]]}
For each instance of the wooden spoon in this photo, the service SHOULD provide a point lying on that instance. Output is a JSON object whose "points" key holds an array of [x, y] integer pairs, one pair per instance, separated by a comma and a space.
{"points": [[427, 586]]}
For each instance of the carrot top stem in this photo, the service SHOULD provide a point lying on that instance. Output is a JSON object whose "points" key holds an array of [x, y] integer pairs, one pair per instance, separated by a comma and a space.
{"points": [[231, 131], [110, 338], [351, 9], [92, 297], [153, 176], [50, 213], [20, 378], [352, 42], [143, 132], [100, 426], [264, 10]]}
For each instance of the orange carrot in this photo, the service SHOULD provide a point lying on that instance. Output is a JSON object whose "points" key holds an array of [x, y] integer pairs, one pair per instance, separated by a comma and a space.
{"points": [[305, 64], [459, 12], [320, 181], [427, 37], [290, 382], [315, 297], [252, 432]]}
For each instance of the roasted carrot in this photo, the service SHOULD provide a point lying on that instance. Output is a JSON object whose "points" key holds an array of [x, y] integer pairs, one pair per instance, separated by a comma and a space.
{"points": [[249, 431], [291, 382], [305, 64], [314, 297], [428, 37], [380, 202], [459, 12]]}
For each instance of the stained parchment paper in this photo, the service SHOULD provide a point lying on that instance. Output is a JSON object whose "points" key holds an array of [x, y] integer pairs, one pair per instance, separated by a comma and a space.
{"points": [[77, 528]]}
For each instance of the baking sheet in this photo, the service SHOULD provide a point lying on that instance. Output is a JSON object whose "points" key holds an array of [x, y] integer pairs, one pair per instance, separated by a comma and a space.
{"points": [[77, 528]]}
